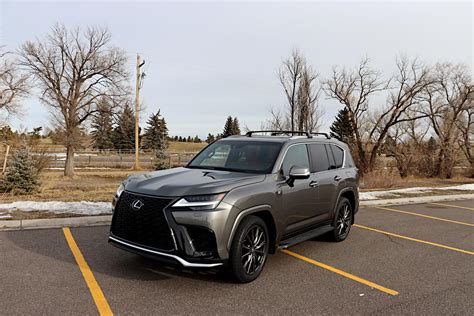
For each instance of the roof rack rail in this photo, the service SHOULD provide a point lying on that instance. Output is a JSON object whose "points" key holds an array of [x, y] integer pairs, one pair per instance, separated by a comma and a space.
{"points": [[275, 133], [324, 134]]}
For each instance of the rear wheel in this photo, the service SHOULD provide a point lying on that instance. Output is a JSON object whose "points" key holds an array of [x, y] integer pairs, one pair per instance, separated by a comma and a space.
{"points": [[249, 250], [342, 220]]}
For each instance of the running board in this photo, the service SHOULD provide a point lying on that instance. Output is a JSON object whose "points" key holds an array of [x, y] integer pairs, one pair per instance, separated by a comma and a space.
{"points": [[305, 236]]}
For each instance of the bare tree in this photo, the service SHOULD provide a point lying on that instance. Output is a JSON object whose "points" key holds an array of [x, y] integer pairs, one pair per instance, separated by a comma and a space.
{"points": [[299, 82], [354, 88], [406, 144], [466, 127], [13, 84], [447, 100], [74, 70]]}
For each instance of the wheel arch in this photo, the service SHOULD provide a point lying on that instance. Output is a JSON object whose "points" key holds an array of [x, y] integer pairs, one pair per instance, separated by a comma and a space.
{"points": [[349, 194], [263, 212]]}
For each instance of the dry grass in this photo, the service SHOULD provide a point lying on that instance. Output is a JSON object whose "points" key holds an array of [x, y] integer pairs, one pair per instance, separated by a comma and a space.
{"points": [[390, 179], [180, 147], [85, 186], [100, 185]]}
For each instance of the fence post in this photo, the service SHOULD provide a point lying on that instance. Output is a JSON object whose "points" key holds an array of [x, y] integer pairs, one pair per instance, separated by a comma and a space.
{"points": [[5, 161]]}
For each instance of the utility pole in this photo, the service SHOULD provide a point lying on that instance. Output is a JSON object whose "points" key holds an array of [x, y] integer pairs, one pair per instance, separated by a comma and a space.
{"points": [[136, 166]]}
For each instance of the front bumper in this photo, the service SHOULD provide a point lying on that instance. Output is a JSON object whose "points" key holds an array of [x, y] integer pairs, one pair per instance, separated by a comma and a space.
{"points": [[125, 245], [190, 238]]}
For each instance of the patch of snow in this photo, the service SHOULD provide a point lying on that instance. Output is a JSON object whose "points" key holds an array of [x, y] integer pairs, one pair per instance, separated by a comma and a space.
{"points": [[374, 195], [5, 216], [83, 207]]}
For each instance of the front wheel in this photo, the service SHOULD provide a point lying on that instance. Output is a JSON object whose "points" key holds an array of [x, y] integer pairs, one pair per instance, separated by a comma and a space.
{"points": [[342, 220], [249, 250]]}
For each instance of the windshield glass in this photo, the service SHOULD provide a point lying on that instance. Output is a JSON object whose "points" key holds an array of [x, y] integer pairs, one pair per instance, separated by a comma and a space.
{"points": [[241, 156]]}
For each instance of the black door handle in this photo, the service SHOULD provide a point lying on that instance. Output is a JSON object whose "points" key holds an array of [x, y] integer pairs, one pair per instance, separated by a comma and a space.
{"points": [[337, 178], [313, 184]]}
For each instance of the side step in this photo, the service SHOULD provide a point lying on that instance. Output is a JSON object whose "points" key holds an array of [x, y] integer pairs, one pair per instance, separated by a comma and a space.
{"points": [[305, 236]]}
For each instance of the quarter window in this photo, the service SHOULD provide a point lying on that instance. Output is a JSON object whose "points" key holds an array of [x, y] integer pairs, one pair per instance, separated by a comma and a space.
{"points": [[296, 155], [338, 155], [319, 158]]}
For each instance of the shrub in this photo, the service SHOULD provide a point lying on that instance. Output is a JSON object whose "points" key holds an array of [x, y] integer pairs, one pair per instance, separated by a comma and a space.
{"points": [[22, 174]]}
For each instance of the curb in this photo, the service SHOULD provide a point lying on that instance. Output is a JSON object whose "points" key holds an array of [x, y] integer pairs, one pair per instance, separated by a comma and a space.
{"points": [[55, 222], [418, 199], [103, 220]]}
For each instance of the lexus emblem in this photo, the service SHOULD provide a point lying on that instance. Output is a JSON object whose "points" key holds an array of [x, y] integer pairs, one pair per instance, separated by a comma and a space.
{"points": [[137, 205]]}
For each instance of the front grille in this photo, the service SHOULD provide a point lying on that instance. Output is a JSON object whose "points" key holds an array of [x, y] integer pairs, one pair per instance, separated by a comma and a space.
{"points": [[146, 226]]}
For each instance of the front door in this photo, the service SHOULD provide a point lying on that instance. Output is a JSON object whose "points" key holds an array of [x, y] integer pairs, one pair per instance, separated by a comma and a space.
{"points": [[298, 200]]}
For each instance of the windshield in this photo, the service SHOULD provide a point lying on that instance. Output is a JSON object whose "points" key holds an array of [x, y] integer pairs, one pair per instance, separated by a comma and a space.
{"points": [[240, 156]]}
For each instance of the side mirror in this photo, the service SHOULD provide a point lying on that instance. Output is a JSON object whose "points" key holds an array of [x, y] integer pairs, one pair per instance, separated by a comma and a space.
{"points": [[296, 173]]}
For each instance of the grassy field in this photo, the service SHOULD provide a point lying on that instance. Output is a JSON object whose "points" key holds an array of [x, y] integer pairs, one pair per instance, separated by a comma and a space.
{"points": [[179, 147], [100, 185], [85, 186]]}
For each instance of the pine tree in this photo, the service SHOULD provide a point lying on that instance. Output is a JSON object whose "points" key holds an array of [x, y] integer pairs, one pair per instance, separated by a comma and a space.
{"points": [[22, 175], [210, 138], [228, 130], [156, 132], [341, 128], [235, 127], [102, 129], [196, 139], [124, 132]]}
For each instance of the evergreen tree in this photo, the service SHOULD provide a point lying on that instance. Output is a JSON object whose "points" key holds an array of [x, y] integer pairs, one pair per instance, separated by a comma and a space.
{"points": [[124, 132], [210, 138], [196, 139], [228, 127], [22, 175], [156, 132], [235, 127], [102, 127], [189, 140], [341, 128]]}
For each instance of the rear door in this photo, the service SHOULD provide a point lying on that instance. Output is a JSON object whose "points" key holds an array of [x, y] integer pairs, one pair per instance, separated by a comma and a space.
{"points": [[323, 166]]}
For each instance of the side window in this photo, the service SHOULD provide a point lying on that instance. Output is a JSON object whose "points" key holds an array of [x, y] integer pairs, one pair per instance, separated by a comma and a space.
{"points": [[332, 162], [338, 155], [319, 157], [296, 155]]}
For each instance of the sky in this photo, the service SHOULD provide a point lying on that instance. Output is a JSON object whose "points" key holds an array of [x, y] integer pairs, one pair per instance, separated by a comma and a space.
{"points": [[208, 60]]}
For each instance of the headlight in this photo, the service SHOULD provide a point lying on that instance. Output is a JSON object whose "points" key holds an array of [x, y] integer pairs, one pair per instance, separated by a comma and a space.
{"points": [[120, 190], [200, 202]]}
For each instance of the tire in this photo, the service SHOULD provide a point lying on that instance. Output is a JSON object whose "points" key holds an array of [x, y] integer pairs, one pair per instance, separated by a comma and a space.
{"points": [[249, 250], [342, 220]]}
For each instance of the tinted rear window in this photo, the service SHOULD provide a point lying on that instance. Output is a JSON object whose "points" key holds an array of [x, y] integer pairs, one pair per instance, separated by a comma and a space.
{"points": [[338, 155], [319, 158]]}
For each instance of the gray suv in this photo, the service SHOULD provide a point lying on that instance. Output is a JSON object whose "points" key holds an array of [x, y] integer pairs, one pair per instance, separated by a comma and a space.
{"points": [[239, 199]]}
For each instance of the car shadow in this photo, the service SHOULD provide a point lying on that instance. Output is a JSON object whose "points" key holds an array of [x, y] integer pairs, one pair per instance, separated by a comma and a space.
{"points": [[103, 258]]}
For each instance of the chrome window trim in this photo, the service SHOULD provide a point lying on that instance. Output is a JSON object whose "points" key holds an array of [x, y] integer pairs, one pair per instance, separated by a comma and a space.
{"points": [[310, 143]]}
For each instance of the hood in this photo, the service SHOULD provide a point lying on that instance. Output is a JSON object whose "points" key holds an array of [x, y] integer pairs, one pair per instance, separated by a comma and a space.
{"points": [[183, 181]]}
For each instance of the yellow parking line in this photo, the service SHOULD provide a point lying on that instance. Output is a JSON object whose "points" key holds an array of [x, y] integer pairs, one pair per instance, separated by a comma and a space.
{"points": [[455, 206], [340, 272], [423, 215], [414, 239], [99, 298]]}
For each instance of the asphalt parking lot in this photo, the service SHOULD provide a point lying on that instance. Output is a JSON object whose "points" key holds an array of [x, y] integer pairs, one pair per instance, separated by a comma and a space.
{"points": [[411, 259]]}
